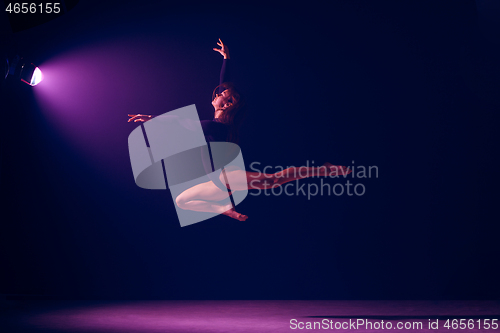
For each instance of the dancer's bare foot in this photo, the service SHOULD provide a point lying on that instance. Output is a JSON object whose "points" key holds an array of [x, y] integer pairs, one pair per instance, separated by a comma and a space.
{"points": [[235, 215], [338, 169]]}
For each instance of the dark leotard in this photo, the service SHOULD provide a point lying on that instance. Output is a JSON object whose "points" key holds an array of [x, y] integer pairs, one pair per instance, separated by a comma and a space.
{"points": [[215, 131]]}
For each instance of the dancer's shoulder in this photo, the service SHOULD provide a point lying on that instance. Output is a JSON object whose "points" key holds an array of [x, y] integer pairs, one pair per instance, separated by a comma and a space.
{"points": [[214, 128]]}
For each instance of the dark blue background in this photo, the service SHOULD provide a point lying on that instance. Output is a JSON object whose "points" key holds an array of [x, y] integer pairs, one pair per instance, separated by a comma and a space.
{"points": [[408, 86]]}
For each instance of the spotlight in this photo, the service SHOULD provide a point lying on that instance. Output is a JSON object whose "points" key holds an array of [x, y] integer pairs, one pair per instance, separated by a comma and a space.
{"points": [[27, 72], [31, 75]]}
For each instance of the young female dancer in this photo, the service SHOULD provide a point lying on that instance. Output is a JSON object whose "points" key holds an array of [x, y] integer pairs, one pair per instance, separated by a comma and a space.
{"points": [[229, 109]]}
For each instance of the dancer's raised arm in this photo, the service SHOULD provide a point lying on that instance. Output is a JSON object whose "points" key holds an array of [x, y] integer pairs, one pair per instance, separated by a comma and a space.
{"points": [[226, 68], [223, 49]]}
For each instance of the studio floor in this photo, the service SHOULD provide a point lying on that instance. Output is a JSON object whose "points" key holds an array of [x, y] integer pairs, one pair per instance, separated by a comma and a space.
{"points": [[247, 316]]}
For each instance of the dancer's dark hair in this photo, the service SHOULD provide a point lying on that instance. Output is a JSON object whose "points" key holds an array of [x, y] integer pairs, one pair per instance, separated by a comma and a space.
{"points": [[234, 115]]}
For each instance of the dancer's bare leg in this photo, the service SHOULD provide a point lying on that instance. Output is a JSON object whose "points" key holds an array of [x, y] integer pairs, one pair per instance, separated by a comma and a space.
{"points": [[294, 173], [204, 197], [242, 180]]}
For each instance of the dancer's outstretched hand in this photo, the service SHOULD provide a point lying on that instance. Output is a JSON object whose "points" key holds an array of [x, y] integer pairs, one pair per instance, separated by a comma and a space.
{"points": [[139, 117], [223, 49]]}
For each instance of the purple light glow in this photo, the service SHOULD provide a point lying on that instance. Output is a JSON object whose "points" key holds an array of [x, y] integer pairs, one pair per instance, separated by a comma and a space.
{"points": [[247, 316], [88, 92], [160, 316]]}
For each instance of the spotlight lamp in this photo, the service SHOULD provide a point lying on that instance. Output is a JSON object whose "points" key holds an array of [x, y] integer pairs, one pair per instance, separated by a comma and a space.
{"points": [[31, 74], [25, 71]]}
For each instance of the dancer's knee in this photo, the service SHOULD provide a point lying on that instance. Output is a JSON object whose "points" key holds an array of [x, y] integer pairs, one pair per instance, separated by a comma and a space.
{"points": [[180, 201]]}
